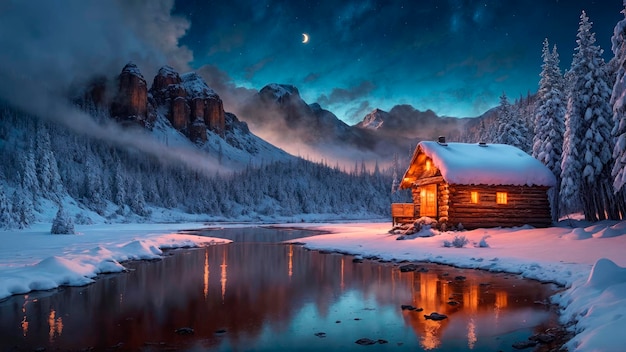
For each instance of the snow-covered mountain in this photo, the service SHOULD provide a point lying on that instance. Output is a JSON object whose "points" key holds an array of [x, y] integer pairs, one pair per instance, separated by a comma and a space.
{"points": [[182, 110], [280, 115], [122, 152], [408, 122], [374, 120]]}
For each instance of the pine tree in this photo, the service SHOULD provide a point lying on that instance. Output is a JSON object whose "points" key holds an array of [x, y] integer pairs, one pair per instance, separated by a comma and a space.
{"points": [[510, 129], [120, 188], [618, 102], [62, 223], [23, 212], [137, 200], [549, 120], [47, 169], [589, 128], [6, 220], [29, 174]]}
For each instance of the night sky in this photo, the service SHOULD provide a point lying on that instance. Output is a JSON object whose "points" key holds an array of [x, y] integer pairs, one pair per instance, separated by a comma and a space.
{"points": [[454, 57]]}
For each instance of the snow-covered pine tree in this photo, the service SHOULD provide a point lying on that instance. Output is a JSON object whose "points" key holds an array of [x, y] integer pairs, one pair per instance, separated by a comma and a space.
{"points": [[23, 212], [119, 188], [588, 127], [510, 129], [6, 220], [618, 101], [62, 223], [29, 172], [549, 120], [47, 169], [137, 200], [395, 182]]}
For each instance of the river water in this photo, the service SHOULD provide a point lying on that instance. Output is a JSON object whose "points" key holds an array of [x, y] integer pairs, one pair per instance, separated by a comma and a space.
{"points": [[256, 295]]}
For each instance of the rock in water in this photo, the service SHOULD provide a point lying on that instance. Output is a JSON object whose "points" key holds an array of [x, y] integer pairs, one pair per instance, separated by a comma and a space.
{"points": [[365, 342], [185, 331], [436, 316]]}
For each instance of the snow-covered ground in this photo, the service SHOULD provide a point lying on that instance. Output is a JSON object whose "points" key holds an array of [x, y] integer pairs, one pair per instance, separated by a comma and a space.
{"points": [[588, 260], [34, 259]]}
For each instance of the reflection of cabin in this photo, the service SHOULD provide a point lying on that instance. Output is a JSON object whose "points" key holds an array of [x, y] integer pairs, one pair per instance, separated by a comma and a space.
{"points": [[478, 185]]}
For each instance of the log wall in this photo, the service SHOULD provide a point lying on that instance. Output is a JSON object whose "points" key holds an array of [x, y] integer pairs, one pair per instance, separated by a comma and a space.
{"points": [[525, 205]]}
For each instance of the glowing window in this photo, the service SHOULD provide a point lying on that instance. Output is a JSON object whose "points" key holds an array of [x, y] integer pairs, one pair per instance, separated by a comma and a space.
{"points": [[427, 166], [474, 197], [501, 197]]}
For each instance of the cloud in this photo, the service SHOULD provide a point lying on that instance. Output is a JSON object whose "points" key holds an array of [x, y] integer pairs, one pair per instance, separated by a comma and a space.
{"points": [[311, 77], [343, 95], [57, 45], [46, 48], [357, 113], [233, 96], [252, 70]]}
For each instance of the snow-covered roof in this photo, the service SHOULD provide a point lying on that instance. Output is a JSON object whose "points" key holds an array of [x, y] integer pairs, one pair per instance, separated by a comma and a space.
{"points": [[492, 164]]}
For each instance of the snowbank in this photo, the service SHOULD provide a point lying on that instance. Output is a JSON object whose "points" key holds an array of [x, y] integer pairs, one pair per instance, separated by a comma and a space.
{"points": [[36, 260], [588, 261]]}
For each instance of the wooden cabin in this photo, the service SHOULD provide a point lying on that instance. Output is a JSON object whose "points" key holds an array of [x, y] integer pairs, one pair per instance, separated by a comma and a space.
{"points": [[477, 185]]}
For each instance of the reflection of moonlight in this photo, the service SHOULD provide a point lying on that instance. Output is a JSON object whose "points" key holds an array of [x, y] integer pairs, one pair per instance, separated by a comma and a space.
{"points": [[305, 38]]}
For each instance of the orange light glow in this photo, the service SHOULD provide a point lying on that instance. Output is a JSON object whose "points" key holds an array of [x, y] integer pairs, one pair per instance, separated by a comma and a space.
{"points": [[206, 273], [56, 325], [502, 300], [223, 274], [501, 197], [428, 165], [474, 197], [24, 320], [428, 200], [343, 285], [24, 326], [291, 261], [471, 334]]}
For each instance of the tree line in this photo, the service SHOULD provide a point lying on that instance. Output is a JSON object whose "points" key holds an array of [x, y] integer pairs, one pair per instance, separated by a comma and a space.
{"points": [[40, 160], [575, 125]]}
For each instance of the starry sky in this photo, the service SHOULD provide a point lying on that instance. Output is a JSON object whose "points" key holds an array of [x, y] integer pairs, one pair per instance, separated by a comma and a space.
{"points": [[455, 57]]}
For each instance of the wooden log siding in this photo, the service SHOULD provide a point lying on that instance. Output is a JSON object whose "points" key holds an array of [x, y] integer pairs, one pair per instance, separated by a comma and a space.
{"points": [[525, 205]]}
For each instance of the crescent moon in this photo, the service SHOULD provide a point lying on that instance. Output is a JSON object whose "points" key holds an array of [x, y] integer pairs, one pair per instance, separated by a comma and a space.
{"points": [[305, 38]]}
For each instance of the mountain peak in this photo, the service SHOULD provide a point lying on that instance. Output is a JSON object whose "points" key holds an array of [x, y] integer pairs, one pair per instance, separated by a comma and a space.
{"points": [[196, 87], [279, 92], [132, 69], [374, 120], [167, 71]]}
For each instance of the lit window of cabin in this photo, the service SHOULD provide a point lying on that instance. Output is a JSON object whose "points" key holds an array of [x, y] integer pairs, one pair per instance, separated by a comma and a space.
{"points": [[427, 166], [474, 197], [501, 198]]}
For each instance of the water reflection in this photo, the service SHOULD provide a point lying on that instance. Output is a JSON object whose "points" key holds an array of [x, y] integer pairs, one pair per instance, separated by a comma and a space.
{"points": [[270, 297]]}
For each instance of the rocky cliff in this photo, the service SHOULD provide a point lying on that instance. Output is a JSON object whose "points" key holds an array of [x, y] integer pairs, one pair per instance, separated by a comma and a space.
{"points": [[189, 104], [130, 104]]}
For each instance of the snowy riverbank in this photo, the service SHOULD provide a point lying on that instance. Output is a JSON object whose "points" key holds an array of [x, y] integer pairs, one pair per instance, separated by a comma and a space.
{"points": [[588, 261], [34, 259]]}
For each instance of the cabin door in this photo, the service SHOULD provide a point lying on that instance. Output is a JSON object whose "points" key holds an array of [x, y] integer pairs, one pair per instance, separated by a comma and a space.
{"points": [[428, 201]]}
